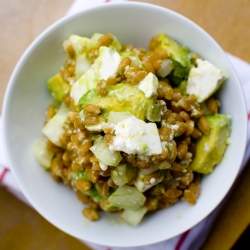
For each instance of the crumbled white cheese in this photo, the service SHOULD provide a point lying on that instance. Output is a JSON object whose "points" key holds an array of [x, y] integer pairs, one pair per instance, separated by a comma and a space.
{"points": [[194, 110], [134, 136], [104, 66], [149, 85], [204, 80], [114, 117], [173, 129]]}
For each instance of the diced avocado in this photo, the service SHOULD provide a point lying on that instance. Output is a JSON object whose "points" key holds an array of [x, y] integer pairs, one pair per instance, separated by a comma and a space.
{"points": [[154, 112], [182, 87], [58, 87], [127, 197], [123, 174], [55, 126], [126, 52], [211, 147], [179, 55], [133, 217], [135, 61], [95, 137], [115, 117], [94, 194], [43, 156], [104, 154], [80, 175], [94, 39], [97, 197], [178, 74], [106, 206], [120, 98]]}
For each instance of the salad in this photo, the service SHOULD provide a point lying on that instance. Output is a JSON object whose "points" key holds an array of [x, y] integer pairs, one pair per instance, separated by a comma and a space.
{"points": [[131, 130]]}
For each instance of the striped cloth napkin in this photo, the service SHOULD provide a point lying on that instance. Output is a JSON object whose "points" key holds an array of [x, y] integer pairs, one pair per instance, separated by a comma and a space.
{"points": [[189, 240]]}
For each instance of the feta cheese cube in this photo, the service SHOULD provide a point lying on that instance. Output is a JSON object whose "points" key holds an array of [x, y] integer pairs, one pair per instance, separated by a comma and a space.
{"points": [[204, 80], [134, 136], [149, 85]]}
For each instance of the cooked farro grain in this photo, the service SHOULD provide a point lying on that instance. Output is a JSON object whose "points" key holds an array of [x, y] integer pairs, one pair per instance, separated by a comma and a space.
{"points": [[90, 213], [105, 40]]}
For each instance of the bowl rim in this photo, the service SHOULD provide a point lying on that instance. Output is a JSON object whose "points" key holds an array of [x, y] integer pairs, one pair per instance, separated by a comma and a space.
{"points": [[61, 22]]}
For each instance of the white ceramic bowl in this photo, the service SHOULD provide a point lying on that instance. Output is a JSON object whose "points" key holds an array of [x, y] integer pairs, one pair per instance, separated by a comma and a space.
{"points": [[27, 98]]}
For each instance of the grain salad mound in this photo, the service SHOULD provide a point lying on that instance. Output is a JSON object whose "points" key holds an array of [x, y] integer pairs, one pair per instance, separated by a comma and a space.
{"points": [[132, 130]]}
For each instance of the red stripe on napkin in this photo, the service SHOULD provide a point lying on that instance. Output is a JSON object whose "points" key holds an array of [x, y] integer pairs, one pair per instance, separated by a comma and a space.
{"points": [[181, 240], [5, 171]]}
